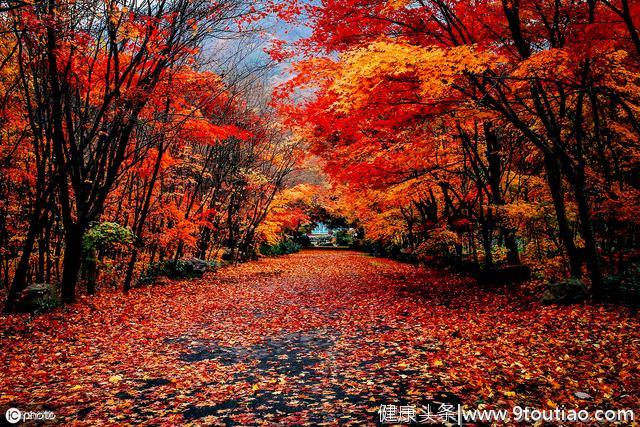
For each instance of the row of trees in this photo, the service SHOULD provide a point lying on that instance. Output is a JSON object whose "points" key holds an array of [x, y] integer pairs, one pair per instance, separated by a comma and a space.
{"points": [[111, 115], [497, 128]]}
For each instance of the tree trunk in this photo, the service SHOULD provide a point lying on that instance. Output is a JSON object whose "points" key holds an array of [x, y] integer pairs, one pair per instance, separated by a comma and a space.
{"points": [[130, 266], [510, 242], [142, 219], [71, 262], [90, 267], [590, 246], [42, 248], [554, 179], [494, 149], [20, 276], [487, 244], [203, 242], [459, 252], [178, 254]]}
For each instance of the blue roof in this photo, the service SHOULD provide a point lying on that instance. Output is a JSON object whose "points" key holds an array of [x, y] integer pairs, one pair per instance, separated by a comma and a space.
{"points": [[321, 228]]}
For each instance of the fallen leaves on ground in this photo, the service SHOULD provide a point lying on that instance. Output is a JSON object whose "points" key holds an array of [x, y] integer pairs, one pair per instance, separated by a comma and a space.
{"points": [[316, 337]]}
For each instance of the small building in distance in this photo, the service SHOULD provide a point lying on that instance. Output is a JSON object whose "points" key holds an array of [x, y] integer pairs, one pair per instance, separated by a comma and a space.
{"points": [[321, 229], [322, 235], [331, 236]]}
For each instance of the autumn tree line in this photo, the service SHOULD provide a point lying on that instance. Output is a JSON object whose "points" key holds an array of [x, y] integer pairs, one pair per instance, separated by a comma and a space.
{"points": [[500, 131], [120, 138]]}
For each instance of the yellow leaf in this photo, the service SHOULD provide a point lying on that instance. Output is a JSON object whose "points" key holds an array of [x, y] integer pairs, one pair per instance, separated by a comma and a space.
{"points": [[76, 387], [115, 379], [510, 393]]}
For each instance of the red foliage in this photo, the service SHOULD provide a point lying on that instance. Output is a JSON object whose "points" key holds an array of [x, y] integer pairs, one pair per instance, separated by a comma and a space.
{"points": [[323, 334]]}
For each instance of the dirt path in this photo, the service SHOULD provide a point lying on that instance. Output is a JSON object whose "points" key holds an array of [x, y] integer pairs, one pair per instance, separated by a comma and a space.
{"points": [[317, 337]]}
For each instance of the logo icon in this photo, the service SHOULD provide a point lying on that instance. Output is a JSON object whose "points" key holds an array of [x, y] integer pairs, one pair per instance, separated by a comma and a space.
{"points": [[13, 415]]}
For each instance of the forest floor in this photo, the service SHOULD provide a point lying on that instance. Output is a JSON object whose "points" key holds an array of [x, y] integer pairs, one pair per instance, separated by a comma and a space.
{"points": [[319, 337]]}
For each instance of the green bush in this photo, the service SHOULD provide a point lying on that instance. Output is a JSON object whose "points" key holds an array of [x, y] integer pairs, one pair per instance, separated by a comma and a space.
{"points": [[282, 248], [38, 298], [624, 286], [47, 303], [303, 240], [568, 291], [182, 269], [106, 235], [343, 238], [380, 249]]}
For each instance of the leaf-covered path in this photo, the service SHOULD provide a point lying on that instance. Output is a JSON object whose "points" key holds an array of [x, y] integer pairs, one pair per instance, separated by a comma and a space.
{"points": [[316, 337]]}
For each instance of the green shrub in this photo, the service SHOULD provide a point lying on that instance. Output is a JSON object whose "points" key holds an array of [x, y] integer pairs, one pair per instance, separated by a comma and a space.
{"points": [[568, 291], [624, 286], [303, 240], [380, 249], [182, 269], [38, 298], [281, 248], [48, 303], [106, 235], [290, 247], [343, 238]]}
